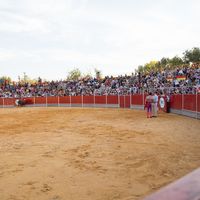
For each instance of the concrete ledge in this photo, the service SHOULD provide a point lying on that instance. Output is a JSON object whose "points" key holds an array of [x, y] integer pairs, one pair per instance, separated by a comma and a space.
{"points": [[76, 105], [52, 105], [137, 107], [32, 105], [88, 105], [64, 105], [100, 105], [186, 188], [187, 113], [112, 106], [35, 105], [8, 106]]}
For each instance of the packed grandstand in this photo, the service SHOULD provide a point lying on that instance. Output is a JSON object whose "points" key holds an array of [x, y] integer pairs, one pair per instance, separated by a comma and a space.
{"points": [[180, 80]]}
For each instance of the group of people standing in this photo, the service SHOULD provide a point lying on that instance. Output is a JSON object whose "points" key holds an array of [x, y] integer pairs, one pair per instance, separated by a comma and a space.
{"points": [[151, 105]]}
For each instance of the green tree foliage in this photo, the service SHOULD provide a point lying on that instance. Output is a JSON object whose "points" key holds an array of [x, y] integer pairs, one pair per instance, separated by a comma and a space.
{"points": [[150, 66], [140, 69], [74, 75], [175, 61], [192, 55], [164, 61], [158, 65]]}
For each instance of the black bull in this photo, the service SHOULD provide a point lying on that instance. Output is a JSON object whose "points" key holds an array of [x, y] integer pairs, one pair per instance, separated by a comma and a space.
{"points": [[20, 102]]}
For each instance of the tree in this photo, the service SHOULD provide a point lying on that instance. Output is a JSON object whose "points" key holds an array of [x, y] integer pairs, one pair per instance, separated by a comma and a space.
{"points": [[175, 61], [140, 69], [192, 55], [150, 66], [164, 61], [74, 75]]}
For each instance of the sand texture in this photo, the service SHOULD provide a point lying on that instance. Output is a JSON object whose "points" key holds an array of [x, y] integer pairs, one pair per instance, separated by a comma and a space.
{"points": [[92, 154]]}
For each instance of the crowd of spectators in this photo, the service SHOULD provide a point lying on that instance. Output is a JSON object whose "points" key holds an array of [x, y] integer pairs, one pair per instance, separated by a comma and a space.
{"points": [[181, 80]]}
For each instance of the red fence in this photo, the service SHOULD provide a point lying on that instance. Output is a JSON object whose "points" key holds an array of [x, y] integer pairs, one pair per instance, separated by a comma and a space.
{"points": [[9, 101], [53, 100], [124, 101], [88, 100], [65, 100], [76, 100], [137, 99], [40, 100], [187, 102], [179, 103], [176, 102], [100, 100], [1, 102], [112, 100]]}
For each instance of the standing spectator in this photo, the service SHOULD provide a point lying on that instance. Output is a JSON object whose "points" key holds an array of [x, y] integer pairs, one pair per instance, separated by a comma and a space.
{"points": [[148, 105], [155, 105]]}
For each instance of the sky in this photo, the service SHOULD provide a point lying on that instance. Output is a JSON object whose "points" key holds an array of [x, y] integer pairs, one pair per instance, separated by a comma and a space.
{"points": [[49, 38]]}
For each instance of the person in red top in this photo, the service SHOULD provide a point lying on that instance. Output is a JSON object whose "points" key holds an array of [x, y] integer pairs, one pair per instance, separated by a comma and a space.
{"points": [[148, 105]]}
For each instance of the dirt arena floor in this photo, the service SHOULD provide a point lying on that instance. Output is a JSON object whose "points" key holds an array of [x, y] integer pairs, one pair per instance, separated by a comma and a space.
{"points": [[92, 154]]}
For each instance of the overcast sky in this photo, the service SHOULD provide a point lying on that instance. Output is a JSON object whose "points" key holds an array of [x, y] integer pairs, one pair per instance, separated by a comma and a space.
{"points": [[48, 38]]}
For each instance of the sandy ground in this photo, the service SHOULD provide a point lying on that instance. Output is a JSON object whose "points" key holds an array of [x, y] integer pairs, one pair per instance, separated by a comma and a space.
{"points": [[92, 154]]}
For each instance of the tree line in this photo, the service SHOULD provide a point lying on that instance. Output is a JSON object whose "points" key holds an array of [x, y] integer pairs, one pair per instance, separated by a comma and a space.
{"points": [[189, 56]]}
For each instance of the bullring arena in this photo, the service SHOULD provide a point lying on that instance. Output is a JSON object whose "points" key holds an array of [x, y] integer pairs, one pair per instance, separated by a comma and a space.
{"points": [[59, 153]]}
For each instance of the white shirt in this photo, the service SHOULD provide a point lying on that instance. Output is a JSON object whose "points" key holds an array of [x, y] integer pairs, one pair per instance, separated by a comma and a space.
{"points": [[155, 97]]}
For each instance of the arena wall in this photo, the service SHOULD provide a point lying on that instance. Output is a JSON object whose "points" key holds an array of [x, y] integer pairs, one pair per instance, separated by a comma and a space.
{"points": [[187, 104], [186, 188]]}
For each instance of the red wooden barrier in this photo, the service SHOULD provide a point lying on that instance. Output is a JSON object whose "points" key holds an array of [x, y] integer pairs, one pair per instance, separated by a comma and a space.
{"points": [[176, 102], [64, 100], [127, 103], [189, 102], [1, 101], [76, 99], [88, 99], [137, 99], [40, 100], [186, 188], [52, 100], [121, 101], [9, 101], [29, 100], [100, 99], [112, 100]]}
